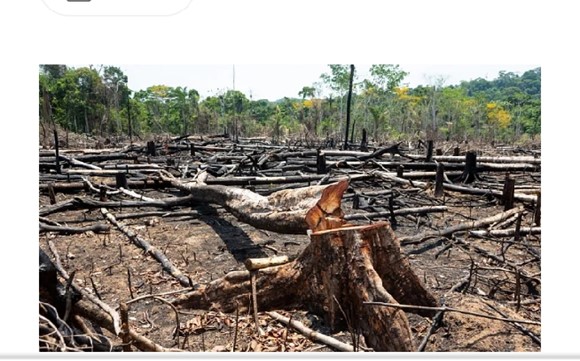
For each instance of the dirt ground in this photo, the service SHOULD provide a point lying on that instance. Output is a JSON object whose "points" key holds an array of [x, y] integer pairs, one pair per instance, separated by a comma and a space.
{"points": [[205, 242]]}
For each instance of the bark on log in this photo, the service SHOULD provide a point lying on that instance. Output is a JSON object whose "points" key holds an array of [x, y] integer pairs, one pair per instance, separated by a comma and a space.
{"points": [[283, 211], [460, 159], [87, 203], [88, 311], [79, 186], [102, 172], [97, 228], [397, 212], [102, 157], [78, 163], [460, 227], [506, 232], [253, 264], [274, 180], [453, 187], [310, 333], [480, 167], [393, 149]]}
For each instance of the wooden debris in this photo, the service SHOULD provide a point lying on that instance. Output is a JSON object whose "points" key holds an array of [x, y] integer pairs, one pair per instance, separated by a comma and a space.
{"points": [[308, 332], [253, 264]]}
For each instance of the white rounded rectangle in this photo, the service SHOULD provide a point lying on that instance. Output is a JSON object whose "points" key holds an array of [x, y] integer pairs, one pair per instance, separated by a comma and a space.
{"points": [[117, 7]]}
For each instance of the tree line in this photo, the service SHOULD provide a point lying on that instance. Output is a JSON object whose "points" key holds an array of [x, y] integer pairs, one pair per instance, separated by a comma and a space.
{"points": [[97, 101]]}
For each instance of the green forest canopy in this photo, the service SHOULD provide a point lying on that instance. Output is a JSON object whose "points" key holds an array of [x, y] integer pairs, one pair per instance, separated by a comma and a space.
{"points": [[98, 101]]}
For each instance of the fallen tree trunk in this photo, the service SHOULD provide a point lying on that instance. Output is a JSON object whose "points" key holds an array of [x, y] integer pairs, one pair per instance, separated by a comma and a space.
{"points": [[334, 276], [147, 247], [88, 311], [310, 333], [453, 187], [460, 159], [283, 211], [87, 203], [97, 228], [398, 212], [506, 232], [460, 227], [144, 183], [233, 181], [78, 163]]}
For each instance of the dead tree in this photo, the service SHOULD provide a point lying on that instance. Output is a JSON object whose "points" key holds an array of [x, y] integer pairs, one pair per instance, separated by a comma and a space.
{"points": [[470, 171], [348, 104], [343, 267]]}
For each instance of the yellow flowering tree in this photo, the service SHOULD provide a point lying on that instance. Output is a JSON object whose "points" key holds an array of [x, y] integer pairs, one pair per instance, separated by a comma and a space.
{"points": [[497, 118]]}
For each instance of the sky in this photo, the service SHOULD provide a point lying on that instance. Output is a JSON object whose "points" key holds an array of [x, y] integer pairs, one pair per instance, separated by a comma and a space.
{"points": [[273, 82]]}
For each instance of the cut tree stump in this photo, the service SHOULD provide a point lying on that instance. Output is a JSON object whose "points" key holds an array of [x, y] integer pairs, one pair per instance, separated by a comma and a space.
{"points": [[343, 267]]}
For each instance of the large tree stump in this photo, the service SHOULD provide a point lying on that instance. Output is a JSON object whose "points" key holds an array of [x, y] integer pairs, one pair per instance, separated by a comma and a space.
{"points": [[343, 267]]}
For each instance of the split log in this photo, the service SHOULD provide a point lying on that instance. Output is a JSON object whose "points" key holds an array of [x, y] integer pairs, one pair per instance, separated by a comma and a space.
{"points": [[334, 276]]}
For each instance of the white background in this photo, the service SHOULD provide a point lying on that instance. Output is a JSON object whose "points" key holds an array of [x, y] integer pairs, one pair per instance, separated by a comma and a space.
{"points": [[294, 32]]}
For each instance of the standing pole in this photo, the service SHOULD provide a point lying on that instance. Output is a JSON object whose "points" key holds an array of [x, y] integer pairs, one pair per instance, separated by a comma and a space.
{"points": [[345, 146], [56, 152], [129, 119]]}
